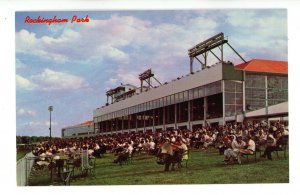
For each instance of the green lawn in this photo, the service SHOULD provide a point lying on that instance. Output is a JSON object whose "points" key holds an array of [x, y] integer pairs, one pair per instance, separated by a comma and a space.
{"points": [[204, 167], [21, 155]]}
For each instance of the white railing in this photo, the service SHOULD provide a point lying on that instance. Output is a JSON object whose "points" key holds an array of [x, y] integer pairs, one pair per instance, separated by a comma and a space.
{"points": [[24, 166]]}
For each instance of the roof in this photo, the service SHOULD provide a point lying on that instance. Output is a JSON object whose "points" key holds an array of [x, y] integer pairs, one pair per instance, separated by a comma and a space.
{"points": [[266, 66], [86, 123]]}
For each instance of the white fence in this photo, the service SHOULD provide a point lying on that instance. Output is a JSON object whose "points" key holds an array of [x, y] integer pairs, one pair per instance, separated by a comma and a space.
{"points": [[24, 166]]}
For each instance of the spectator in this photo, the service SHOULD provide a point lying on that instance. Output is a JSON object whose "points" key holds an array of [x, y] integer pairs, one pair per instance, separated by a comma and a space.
{"points": [[232, 152], [271, 146], [250, 148]]}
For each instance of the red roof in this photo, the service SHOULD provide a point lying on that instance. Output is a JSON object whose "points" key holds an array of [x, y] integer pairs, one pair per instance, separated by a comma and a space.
{"points": [[267, 66], [86, 123]]}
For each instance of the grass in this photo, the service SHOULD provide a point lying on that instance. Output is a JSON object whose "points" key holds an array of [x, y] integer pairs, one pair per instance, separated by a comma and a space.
{"points": [[204, 167], [21, 155]]}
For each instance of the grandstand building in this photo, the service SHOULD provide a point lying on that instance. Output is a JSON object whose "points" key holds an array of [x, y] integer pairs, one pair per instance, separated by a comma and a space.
{"points": [[255, 90], [214, 95]]}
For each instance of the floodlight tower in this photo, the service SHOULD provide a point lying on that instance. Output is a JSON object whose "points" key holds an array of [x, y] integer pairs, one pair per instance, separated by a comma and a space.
{"points": [[50, 109], [206, 47], [146, 76]]}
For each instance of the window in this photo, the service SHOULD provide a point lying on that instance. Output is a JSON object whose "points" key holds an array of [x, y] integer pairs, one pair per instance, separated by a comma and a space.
{"points": [[172, 101], [191, 95], [185, 96], [182, 112], [255, 81], [196, 93]]}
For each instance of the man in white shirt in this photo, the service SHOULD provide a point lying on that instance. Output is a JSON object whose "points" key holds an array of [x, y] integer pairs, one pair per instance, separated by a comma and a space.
{"points": [[249, 150], [271, 146]]}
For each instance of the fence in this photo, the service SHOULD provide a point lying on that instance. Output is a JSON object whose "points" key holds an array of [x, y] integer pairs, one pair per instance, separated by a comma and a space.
{"points": [[24, 166]]}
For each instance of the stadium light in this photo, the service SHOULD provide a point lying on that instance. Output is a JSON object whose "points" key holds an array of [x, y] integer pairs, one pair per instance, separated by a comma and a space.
{"points": [[50, 109]]}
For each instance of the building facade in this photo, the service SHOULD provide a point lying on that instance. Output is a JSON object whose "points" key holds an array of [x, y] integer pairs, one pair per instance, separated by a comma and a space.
{"points": [[85, 129], [214, 95]]}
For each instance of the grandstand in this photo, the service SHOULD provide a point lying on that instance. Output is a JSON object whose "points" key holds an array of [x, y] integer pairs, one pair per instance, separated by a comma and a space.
{"points": [[214, 95]]}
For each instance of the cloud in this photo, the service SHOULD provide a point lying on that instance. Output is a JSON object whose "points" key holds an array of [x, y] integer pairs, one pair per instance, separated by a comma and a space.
{"points": [[20, 65], [257, 32], [26, 112], [24, 83], [116, 39], [50, 80], [37, 128]]}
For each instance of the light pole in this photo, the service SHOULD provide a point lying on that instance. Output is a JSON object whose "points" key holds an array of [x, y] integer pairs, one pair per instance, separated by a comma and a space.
{"points": [[50, 108]]}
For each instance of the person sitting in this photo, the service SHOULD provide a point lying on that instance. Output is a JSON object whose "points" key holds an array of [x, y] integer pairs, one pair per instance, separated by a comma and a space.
{"points": [[232, 152], [224, 144], [208, 140], [271, 146], [166, 152], [122, 156], [250, 148]]}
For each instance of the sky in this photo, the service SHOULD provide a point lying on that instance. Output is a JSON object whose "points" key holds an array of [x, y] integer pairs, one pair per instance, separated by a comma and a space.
{"points": [[70, 66]]}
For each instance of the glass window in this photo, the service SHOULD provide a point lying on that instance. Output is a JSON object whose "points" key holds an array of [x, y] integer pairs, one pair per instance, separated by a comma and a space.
{"points": [[229, 110], [172, 99], [285, 83], [256, 81], [151, 105], [238, 87], [196, 93], [168, 100], [239, 98], [253, 93], [157, 103], [191, 95], [229, 98], [165, 101], [182, 112], [230, 86], [197, 109], [255, 104], [185, 96], [239, 109], [274, 82], [201, 91], [176, 97], [161, 102], [181, 97]]}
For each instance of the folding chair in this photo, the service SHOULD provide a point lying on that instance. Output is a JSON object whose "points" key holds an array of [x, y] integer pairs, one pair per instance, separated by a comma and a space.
{"points": [[86, 167]]}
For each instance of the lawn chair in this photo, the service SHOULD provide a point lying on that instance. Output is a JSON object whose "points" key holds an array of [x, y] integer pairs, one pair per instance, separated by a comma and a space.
{"points": [[247, 156], [87, 167], [67, 176]]}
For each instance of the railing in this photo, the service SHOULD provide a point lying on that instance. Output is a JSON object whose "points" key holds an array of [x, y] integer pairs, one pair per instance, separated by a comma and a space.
{"points": [[24, 166]]}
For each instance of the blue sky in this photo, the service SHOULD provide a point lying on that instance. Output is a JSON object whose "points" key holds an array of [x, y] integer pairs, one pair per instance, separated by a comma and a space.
{"points": [[71, 66]]}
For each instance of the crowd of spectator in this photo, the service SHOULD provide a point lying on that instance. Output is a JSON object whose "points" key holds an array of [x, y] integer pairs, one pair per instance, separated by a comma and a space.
{"points": [[232, 140]]}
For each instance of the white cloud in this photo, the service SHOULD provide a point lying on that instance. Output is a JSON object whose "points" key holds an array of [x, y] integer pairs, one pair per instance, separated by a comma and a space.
{"points": [[259, 32], [37, 125], [24, 83], [127, 41], [26, 112], [50, 80], [28, 43], [20, 65], [107, 39]]}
